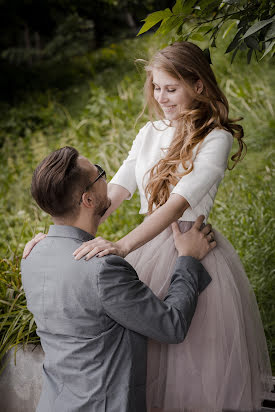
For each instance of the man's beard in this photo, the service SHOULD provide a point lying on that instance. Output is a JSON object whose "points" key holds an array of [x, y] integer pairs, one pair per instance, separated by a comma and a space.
{"points": [[102, 206]]}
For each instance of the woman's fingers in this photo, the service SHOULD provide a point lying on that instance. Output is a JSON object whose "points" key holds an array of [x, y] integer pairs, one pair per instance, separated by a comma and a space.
{"points": [[85, 245], [106, 252], [92, 248], [28, 247], [85, 248], [89, 249], [107, 249], [112, 249], [95, 251]]}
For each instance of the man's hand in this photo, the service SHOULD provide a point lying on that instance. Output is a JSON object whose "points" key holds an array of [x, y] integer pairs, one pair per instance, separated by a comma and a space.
{"points": [[196, 243]]}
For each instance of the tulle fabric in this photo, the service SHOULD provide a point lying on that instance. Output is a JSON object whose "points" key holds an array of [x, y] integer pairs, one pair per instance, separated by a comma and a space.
{"points": [[223, 364]]}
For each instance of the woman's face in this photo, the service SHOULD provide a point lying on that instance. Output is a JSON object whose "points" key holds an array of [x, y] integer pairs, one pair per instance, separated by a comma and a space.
{"points": [[171, 94]]}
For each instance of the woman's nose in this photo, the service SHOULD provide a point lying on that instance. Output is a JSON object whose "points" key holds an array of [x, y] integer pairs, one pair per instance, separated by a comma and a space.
{"points": [[162, 97]]}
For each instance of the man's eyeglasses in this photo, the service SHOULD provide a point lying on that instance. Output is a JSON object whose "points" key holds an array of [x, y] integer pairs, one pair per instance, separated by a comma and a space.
{"points": [[101, 173]]}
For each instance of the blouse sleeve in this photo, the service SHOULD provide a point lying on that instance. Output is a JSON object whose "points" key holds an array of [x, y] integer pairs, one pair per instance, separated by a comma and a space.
{"points": [[209, 167], [126, 176]]}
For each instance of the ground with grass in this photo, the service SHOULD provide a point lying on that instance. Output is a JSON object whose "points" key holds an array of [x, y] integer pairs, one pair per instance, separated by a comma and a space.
{"points": [[97, 115]]}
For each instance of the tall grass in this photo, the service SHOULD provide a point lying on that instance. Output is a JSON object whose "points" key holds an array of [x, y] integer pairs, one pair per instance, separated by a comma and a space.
{"points": [[98, 118]]}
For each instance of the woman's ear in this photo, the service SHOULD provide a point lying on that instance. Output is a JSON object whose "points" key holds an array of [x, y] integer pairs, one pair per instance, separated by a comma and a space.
{"points": [[199, 86]]}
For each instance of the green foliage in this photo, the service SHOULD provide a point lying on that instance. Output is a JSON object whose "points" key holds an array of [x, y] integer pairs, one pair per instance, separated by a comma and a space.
{"points": [[74, 37], [253, 22], [98, 117], [38, 42], [16, 322], [155, 18]]}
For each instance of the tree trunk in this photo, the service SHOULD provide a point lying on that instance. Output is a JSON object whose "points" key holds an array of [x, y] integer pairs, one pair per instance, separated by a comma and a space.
{"points": [[37, 45], [28, 44], [130, 20]]}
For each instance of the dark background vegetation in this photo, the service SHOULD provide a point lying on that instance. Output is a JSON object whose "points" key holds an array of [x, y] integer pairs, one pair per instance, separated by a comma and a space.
{"points": [[39, 38]]}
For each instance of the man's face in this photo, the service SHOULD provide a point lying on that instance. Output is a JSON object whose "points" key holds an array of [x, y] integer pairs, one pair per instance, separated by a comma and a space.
{"points": [[98, 190]]}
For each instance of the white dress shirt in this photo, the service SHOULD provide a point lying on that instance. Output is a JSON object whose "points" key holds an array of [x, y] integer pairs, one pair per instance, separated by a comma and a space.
{"points": [[199, 187]]}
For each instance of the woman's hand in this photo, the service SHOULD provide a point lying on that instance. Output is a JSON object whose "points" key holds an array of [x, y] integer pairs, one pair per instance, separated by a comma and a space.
{"points": [[99, 247], [28, 247]]}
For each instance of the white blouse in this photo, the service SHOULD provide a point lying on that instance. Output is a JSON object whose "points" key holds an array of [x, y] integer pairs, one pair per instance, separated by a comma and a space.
{"points": [[199, 187]]}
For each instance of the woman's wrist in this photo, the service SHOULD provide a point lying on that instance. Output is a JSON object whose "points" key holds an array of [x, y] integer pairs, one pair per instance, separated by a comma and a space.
{"points": [[123, 247]]}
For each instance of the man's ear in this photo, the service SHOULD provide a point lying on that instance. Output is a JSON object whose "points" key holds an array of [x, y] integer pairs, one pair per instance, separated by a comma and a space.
{"points": [[199, 86], [87, 200]]}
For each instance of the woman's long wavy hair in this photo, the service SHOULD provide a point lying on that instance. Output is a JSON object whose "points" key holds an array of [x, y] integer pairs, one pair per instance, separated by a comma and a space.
{"points": [[186, 62]]}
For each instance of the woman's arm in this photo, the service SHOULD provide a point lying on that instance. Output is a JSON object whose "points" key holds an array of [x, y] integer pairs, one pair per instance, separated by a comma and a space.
{"points": [[158, 221], [147, 230]]}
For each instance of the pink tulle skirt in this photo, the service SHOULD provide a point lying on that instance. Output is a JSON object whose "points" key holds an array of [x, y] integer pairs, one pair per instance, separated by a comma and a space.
{"points": [[223, 364]]}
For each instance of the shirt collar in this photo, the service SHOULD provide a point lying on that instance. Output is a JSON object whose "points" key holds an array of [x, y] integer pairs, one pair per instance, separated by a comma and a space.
{"points": [[69, 231]]}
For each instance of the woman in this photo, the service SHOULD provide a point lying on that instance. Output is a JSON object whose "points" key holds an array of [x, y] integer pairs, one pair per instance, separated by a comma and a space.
{"points": [[177, 164]]}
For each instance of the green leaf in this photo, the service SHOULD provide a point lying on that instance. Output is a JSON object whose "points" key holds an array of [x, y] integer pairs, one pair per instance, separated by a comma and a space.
{"points": [[228, 30], [203, 4], [161, 28], [179, 30], [31, 324], [188, 6], [234, 55], [243, 46], [271, 32], [204, 29], [209, 4], [258, 26], [177, 8], [169, 24], [234, 42], [232, 2], [197, 36], [252, 43], [249, 55], [268, 49], [154, 18], [206, 52]]}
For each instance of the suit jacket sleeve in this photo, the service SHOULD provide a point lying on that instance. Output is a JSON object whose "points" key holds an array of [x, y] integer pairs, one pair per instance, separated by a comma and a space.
{"points": [[133, 305]]}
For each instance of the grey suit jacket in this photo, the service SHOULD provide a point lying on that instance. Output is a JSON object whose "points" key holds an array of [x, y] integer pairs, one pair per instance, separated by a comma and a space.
{"points": [[93, 318]]}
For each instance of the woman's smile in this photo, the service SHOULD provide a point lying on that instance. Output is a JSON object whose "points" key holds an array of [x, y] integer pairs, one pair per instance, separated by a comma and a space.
{"points": [[168, 108], [170, 93]]}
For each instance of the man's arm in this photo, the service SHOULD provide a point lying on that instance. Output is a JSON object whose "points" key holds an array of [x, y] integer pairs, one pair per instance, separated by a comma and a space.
{"points": [[132, 304]]}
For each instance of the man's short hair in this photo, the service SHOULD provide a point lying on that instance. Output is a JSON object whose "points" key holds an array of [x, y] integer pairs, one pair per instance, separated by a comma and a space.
{"points": [[58, 182]]}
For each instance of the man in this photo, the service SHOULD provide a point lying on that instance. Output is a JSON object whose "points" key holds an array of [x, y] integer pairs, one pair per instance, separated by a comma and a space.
{"points": [[93, 316]]}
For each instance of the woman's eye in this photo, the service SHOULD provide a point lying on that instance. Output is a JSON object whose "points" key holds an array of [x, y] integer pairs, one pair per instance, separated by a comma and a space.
{"points": [[157, 89]]}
